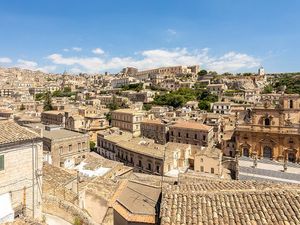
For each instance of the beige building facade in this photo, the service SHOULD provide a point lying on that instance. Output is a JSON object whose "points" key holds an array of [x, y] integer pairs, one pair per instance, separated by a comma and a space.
{"points": [[21, 161], [127, 119]]}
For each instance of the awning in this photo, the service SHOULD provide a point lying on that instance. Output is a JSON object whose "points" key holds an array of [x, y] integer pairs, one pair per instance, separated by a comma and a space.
{"points": [[6, 210]]}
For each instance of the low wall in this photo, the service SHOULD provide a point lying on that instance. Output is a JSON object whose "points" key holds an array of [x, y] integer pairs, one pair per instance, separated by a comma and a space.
{"points": [[55, 206]]}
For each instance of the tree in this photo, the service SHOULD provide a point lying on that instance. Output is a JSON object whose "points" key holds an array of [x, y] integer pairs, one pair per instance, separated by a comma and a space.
{"points": [[92, 145], [108, 117], [202, 73], [48, 101], [204, 105], [113, 105], [147, 106], [268, 89]]}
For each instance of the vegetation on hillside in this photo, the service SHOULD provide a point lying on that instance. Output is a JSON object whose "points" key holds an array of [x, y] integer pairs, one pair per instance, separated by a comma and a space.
{"points": [[180, 97], [133, 87]]}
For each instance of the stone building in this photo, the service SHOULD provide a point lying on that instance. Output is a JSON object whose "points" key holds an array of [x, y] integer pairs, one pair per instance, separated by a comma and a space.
{"points": [[193, 133], [148, 157], [53, 117], [127, 119], [155, 129], [209, 160], [62, 148], [108, 139], [20, 172], [216, 88], [271, 130]]}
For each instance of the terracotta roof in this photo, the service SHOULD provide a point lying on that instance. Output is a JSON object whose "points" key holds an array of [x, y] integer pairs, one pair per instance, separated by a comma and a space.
{"points": [[136, 202], [191, 125], [231, 202], [11, 132]]}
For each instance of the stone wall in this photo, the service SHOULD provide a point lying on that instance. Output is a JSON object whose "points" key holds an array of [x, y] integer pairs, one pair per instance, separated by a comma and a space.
{"points": [[55, 206]]}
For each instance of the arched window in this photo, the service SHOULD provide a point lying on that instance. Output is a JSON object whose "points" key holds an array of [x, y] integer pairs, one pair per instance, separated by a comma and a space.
{"points": [[291, 157], [267, 122], [267, 152], [246, 152]]}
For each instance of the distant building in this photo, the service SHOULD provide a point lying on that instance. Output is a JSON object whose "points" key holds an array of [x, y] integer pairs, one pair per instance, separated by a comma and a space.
{"points": [[209, 160], [127, 119], [53, 117], [20, 172], [193, 133], [155, 129], [261, 71]]}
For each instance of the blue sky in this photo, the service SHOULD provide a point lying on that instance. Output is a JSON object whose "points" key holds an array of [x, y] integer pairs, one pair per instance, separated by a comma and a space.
{"points": [[97, 35]]}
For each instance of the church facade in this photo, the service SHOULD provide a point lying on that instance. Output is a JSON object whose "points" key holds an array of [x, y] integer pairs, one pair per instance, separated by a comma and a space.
{"points": [[271, 131]]}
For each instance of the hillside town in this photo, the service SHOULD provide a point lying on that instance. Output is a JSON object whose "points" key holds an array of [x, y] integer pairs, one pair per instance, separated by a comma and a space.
{"points": [[168, 145]]}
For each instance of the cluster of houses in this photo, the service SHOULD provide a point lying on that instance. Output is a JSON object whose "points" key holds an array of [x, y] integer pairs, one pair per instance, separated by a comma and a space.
{"points": [[145, 166]]}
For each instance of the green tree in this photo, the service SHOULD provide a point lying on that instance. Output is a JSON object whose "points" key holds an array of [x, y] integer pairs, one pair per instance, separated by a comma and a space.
{"points": [[113, 105], [92, 145], [147, 106], [204, 105], [108, 117], [268, 89], [48, 101], [202, 73]]}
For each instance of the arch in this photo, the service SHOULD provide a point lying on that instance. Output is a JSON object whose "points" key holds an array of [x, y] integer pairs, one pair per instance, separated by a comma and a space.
{"points": [[268, 152], [246, 152], [291, 157]]}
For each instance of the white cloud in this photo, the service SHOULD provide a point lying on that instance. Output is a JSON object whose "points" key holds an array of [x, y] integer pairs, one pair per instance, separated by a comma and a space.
{"points": [[32, 65], [66, 50], [77, 49], [98, 51], [171, 31], [229, 62], [5, 60]]}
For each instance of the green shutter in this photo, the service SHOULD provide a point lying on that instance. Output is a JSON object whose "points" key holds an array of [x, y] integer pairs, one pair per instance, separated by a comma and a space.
{"points": [[1, 162]]}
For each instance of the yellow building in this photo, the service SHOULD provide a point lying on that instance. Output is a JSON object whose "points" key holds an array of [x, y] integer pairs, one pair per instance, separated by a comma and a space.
{"points": [[271, 130]]}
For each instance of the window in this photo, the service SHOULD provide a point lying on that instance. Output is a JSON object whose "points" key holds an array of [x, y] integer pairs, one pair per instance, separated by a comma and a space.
{"points": [[1, 162], [195, 136], [70, 148], [291, 104], [267, 122], [149, 166], [140, 163], [201, 159], [79, 146], [60, 150], [157, 169], [187, 135], [172, 133], [201, 168], [178, 134], [212, 170], [203, 137]]}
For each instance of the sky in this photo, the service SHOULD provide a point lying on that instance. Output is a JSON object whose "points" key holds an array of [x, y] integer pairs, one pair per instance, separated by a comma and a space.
{"points": [[96, 36]]}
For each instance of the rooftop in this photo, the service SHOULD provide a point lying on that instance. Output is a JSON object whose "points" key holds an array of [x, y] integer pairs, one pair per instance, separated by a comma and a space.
{"points": [[191, 125], [136, 202], [11, 132], [230, 202]]}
